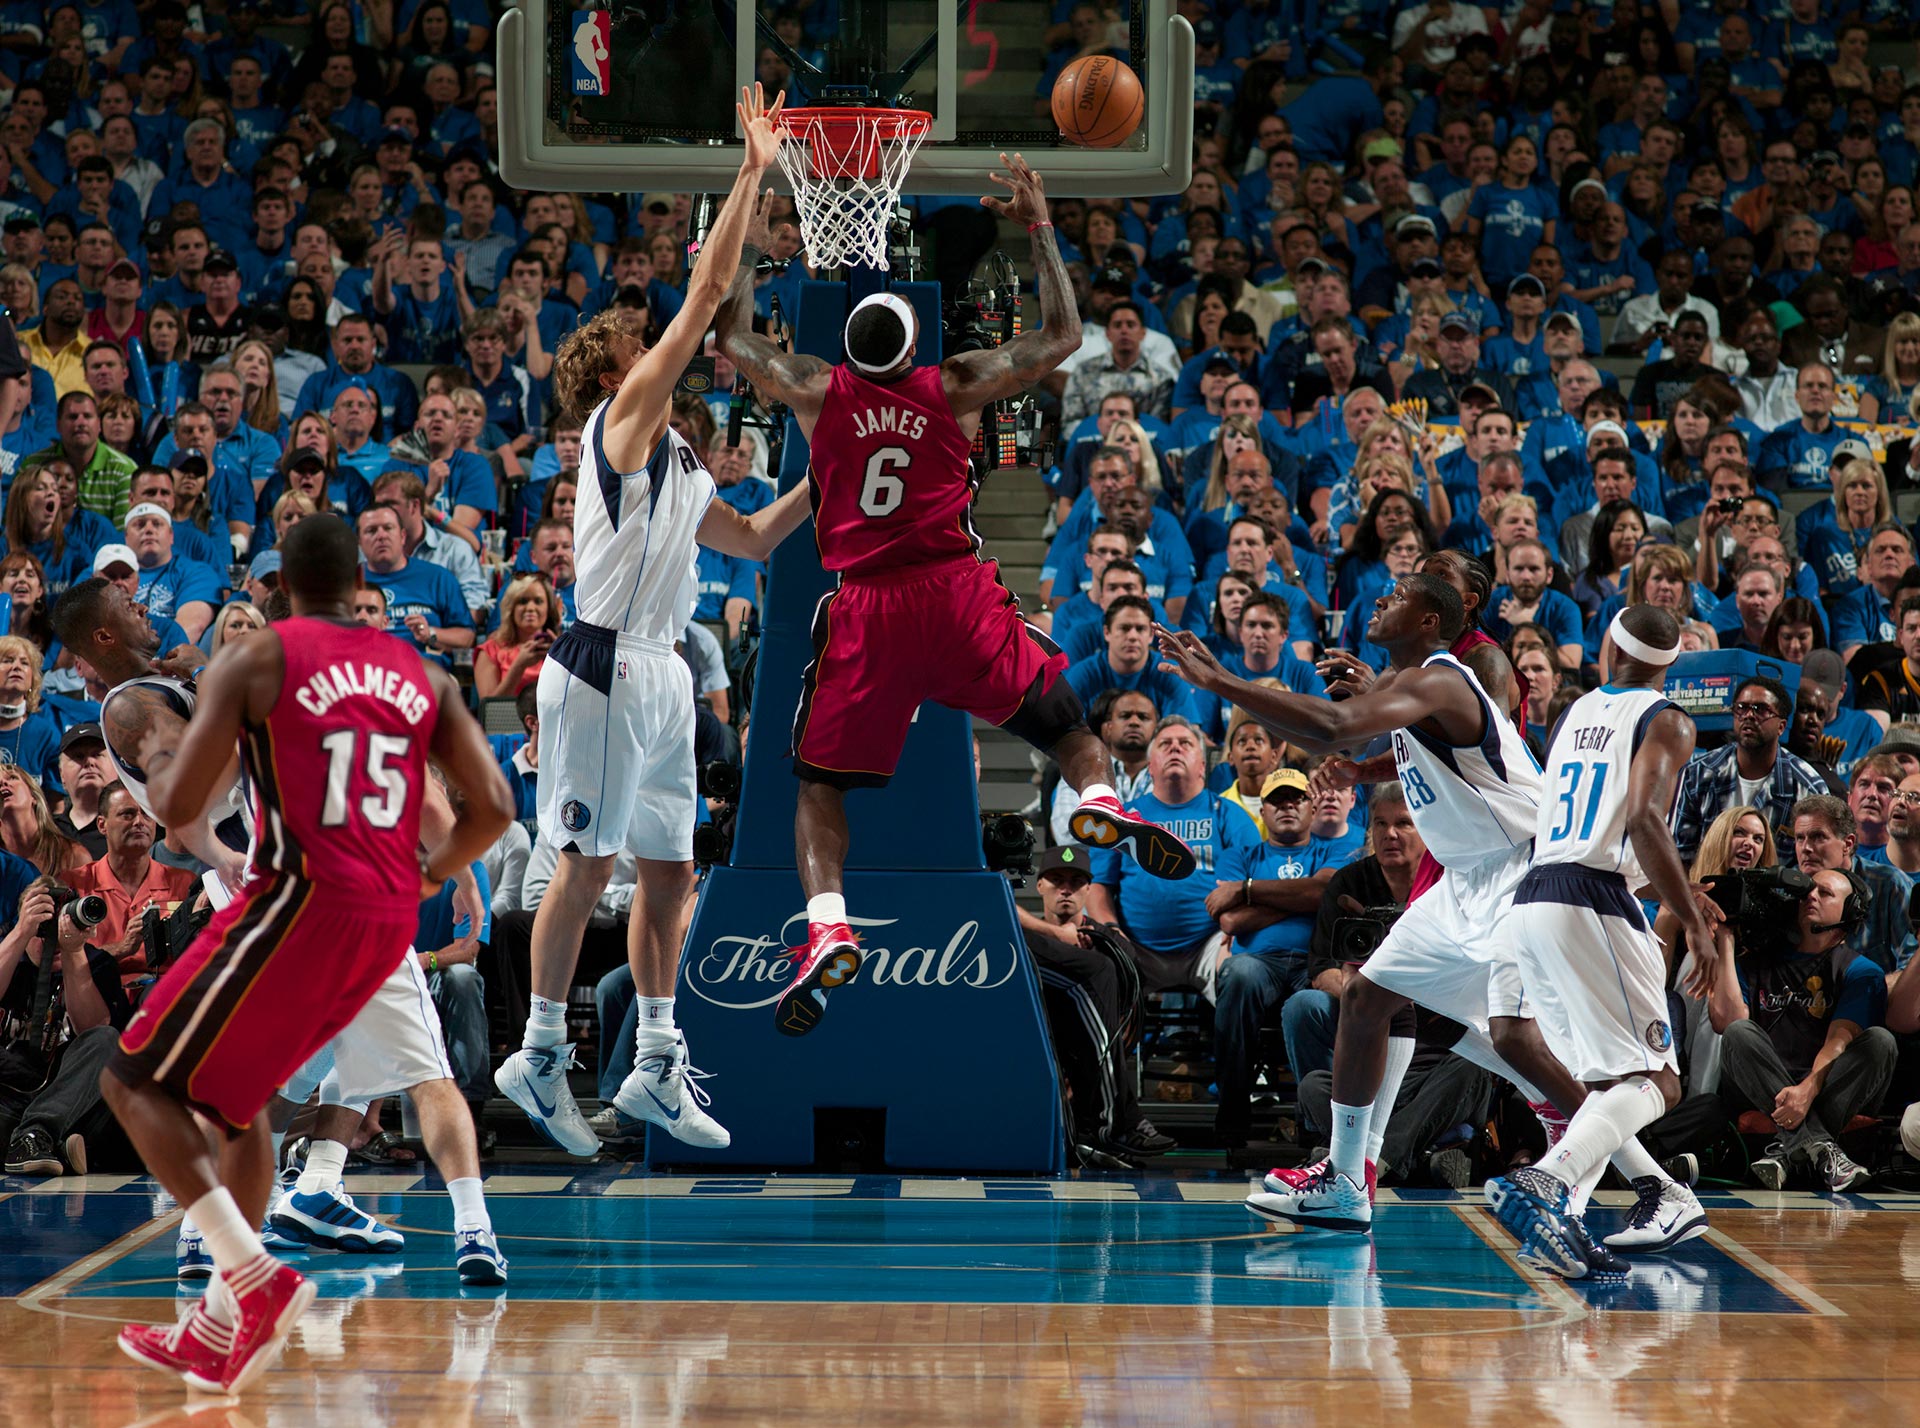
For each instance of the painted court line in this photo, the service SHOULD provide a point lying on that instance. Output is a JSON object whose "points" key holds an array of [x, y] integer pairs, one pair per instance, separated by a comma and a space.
{"points": [[1785, 1282], [89, 1265]]}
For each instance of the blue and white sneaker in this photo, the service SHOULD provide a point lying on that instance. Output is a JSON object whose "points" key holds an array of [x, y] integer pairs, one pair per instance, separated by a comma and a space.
{"points": [[272, 1239], [1324, 1200], [476, 1255], [330, 1220], [190, 1257], [534, 1078], [1532, 1206], [664, 1088]]}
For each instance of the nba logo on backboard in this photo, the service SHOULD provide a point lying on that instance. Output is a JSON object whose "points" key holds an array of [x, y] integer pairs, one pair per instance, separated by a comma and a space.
{"points": [[592, 51]]}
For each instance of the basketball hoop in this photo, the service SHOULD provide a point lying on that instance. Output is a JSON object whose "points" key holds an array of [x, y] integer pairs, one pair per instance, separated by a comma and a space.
{"points": [[847, 167]]}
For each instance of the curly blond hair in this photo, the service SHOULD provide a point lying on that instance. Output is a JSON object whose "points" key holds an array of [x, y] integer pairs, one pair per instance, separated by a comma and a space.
{"points": [[592, 351]]}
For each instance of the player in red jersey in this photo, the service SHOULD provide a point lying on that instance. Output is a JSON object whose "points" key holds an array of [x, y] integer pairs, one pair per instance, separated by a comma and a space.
{"points": [[920, 614], [335, 722]]}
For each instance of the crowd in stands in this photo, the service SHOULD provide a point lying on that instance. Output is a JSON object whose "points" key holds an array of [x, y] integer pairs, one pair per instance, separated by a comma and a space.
{"points": [[1589, 305]]}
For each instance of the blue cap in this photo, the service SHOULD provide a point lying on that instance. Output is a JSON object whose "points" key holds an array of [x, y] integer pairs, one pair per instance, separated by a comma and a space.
{"points": [[264, 564]]}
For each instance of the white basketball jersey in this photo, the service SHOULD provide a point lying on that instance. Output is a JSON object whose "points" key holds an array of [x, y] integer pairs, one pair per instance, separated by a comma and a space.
{"points": [[633, 536], [1472, 802], [1583, 804], [181, 695]]}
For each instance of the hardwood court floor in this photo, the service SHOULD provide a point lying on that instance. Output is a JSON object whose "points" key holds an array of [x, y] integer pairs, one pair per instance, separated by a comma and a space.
{"points": [[658, 1300]]}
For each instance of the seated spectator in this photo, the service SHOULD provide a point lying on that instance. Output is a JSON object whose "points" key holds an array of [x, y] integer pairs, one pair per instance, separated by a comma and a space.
{"points": [[1872, 783], [171, 586], [1661, 385], [1460, 367], [1833, 535], [1252, 758], [85, 771], [1087, 1013], [1757, 592], [127, 876], [50, 1084], [1801, 1038], [448, 944], [1612, 536], [1125, 366], [424, 602], [1768, 386], [511, 659], [1265, 902], [1893, 394], [1125, 721], [1824, 837], [1179, 941], [1865, 617], [1751, 771], [235, 620], [519, 756], [1891, 694], [1830, 335], [1651, 318], [1529, 596], [1800, 452], [29, 738], [444, 542], [550, 550], [1128, 661]]}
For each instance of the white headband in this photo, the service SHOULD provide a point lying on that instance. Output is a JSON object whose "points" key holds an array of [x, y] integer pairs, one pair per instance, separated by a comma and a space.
{"points": [[1629, 644], [901, 309]]}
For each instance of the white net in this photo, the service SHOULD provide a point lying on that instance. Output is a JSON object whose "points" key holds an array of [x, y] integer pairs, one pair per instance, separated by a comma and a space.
{"points": [[847, 167]]}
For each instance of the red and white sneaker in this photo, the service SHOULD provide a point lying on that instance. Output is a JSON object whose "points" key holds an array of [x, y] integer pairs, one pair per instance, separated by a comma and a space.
{"points": [[1284, 1181], [1102, 823], [830, 959], [195, 1349], [270, 1299]]}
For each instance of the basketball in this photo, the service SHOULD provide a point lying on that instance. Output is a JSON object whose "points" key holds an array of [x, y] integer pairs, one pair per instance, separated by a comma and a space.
{"points": [[1098, 102]]}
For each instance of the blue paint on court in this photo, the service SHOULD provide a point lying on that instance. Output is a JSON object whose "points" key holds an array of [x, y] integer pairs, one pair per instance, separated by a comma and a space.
{"points": [[1019, 1245]]}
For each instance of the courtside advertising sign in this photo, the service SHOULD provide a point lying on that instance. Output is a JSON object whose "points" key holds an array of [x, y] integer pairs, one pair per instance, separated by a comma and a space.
{"points": [[592, 52]]}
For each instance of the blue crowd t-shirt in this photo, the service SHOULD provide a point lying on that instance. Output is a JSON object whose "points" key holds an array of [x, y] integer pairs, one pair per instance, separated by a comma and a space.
{"points": [[1164, 914], [165, 588], [1265, 861]]}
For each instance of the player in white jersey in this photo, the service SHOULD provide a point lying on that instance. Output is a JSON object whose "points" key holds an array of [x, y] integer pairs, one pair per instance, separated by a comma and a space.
{"points": [[393, 1045], [616, 703], [1589, 960]]}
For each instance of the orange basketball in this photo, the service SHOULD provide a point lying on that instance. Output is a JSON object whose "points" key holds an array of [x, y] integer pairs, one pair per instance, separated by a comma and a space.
{"points": [[1098, 102]]}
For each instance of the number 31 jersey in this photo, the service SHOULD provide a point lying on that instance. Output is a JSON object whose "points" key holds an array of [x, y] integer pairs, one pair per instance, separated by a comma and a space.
{"points": [[1473, 801], [1583, 805], [891, 484]]}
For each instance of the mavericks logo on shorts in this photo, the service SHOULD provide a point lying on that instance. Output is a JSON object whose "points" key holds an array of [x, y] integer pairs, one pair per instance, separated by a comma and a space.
{"points": [[575, 815], [1659, 1035]]}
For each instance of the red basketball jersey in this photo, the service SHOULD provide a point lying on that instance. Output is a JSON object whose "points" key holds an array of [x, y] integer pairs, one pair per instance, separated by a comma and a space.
{"points": [[891, 484], [339, 763]]}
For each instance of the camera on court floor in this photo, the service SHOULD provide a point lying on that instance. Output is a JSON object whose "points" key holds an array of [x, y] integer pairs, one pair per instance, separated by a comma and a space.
{"points": [[1355, 937], [1762, 905], [1007, 841]]}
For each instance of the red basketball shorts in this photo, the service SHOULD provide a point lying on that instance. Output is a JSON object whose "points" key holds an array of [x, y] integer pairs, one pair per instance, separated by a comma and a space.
{"points": [[276, 975], [951, 633]]}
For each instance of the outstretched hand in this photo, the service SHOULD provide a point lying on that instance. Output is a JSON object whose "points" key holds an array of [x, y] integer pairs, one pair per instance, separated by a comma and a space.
{"points": [[759, 223], [1028, 203], [1183, 654], [761, 126]]}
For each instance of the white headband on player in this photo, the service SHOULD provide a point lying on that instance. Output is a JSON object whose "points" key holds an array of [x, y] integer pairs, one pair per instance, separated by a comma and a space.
{"points": [[901, 309], [1629, 644]]}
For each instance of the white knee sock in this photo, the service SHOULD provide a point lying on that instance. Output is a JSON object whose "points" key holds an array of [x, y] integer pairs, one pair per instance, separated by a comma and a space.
{"points": [[1601, 1126], [1581, 1193], [1399, 1058], [469, 1204], [546, 1024], [326, 1163], [1633, 1161]]}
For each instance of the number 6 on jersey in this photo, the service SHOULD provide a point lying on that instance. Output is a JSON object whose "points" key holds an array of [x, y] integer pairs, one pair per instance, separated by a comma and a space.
{"points": [[882, 491]]}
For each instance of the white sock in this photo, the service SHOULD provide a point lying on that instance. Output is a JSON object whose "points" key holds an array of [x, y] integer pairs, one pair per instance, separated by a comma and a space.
{"points": [[546, 1024], [1399, 1058], [469, 1204], [1633, 1161], [825, 909], [1581, 1193], [1601, 1126], [326, 1162], [279, 1139], [655, 1027], [231, 1241], [1349, 1150], [1098, 790]]}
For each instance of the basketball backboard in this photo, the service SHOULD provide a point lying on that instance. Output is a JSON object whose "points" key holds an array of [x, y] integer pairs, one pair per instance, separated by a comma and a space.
{"points": [[622, 95]]}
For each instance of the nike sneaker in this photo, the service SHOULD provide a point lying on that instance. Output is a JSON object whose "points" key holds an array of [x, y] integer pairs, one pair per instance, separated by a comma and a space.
{"points": [[1284, 1180], [830, 959], [1665, 1213], [1102, 823], [534, 1078], [1326, 1200], [664, 1089]]}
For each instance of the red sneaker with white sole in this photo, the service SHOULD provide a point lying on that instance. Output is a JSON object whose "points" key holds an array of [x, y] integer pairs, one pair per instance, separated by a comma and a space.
{"points": [[1283, 1181], [830, 959], [270, 1299], [195, 1349], [1103, 823]]}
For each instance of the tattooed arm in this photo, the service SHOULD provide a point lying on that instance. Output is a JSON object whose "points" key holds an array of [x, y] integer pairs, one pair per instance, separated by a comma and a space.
{"points": [[797, 381]]}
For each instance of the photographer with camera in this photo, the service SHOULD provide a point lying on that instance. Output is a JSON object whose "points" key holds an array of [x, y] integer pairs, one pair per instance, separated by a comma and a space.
{"points": [[129, 880], [1825, 836], [1799, 1012], [60, 1015], [1091, 994]]}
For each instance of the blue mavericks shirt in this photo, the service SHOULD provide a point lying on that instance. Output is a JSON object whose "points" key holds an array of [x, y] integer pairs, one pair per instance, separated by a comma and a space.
{"points": [[1167, 915], [1264, 861]]}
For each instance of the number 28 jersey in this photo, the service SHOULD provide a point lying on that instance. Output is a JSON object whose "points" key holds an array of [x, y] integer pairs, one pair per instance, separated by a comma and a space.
{"points": [[338, 764], [891, 484], [1583, 803], [1470, 802]]}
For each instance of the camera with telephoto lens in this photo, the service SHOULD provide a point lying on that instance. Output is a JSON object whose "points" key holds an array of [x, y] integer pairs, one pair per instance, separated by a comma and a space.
{"points": [[87, 912], [1762, 905], [1355, 937]]}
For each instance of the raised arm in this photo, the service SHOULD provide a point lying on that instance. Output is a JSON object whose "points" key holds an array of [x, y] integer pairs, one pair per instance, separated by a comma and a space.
{"points": [[798, 382], [638, 414], [973, 379], [1322, 726]]}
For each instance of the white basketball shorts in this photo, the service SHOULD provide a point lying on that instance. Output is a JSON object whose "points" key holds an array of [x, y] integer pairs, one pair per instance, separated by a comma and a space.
{"points": [[1595, 977], [393, 1045], [616, 746], [1450, 950]]}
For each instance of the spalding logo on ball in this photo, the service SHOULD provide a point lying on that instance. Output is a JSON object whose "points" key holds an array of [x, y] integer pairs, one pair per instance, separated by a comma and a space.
{"points": [[1098, 102]]}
